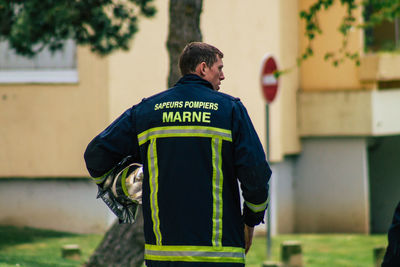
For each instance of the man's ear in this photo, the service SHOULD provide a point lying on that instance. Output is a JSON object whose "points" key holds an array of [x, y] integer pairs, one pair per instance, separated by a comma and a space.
{"points": [[201, 69]]}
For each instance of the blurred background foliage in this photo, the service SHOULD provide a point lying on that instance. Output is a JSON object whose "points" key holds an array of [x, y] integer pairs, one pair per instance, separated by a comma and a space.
{"points": [[104, 25], [378, 15]]}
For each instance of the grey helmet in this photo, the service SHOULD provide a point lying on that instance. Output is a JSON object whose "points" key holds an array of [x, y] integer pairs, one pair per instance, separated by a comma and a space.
{"points": [[121, 190]]}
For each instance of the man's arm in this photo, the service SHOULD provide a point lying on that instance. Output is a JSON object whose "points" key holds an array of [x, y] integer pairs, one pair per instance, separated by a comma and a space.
{"points": [[116, 142], [110, 152], [251, 167]]}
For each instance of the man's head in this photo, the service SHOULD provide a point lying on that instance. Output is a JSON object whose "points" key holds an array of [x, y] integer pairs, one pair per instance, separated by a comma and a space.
{"points": [[203, 60]]}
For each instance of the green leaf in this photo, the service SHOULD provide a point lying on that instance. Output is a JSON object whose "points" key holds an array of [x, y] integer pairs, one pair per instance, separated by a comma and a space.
{"points": [[303, 14], [328, 55]]}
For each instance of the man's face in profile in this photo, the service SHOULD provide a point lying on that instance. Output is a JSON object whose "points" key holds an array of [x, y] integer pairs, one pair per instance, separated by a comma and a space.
{"points": [[215, 74]]}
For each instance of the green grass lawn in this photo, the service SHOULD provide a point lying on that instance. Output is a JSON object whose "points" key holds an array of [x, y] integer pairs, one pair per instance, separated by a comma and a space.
{"points": [[323, 250], [42, 248]]}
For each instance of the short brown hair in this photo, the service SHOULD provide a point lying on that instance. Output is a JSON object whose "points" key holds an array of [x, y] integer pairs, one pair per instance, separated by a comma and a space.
{"points": [[196, 52]]}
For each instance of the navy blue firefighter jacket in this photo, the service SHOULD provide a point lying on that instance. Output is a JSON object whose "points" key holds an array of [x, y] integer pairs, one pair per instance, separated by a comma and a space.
{"points": [[195, 144]]}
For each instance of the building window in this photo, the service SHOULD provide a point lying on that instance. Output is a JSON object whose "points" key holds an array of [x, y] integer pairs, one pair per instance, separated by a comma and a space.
{"points": [[45, 67], [382, 37]]}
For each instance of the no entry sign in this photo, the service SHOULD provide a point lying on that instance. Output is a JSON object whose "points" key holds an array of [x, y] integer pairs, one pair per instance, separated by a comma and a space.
{"points": [[269, 83]]}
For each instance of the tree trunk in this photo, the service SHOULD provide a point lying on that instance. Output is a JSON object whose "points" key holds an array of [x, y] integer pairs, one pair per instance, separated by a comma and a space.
{"points": [[184, 27], [122, 246]]}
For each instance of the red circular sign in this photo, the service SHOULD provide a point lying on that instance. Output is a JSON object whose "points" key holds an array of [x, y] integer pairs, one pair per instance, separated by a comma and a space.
{"points": [[269, 83]]}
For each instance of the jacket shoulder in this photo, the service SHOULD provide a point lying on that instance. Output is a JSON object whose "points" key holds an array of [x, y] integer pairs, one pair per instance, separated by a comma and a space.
{"points": [[227, 97], [153, 97]]}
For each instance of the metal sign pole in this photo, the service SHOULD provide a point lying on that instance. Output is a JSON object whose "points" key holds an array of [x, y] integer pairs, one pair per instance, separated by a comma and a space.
{"points": [[269, 241]]}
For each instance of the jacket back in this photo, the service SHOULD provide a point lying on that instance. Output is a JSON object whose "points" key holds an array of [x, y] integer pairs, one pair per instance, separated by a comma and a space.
{"points": [[194, 144]]}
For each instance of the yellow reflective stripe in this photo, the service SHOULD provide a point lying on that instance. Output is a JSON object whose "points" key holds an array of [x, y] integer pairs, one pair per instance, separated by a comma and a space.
{"points": [[194, 258], [153, 181], [184, 131], [217, 184], [193, 127], [220, 182], [257, 207], [99, 180], [123, 181], [217, 135], [214, 194], [194, 253], [193, 248]]}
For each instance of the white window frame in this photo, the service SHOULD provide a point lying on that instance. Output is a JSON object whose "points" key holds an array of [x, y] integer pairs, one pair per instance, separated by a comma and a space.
{"points": [[27, 71]]}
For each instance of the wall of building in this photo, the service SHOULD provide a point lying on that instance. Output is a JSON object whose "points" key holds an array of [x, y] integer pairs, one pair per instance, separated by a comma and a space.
{"points": [[331, 186], [283, 195], [59, 204], [245, 36], [335, 113], [349, 113], [386, 106], [334, 104], [143, 70], [316, 73], [46, 127], [289, 82]]}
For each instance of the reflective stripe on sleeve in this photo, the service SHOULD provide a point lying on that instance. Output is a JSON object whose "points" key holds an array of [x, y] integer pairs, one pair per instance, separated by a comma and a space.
{"points": [[257, 207], [194, 253], [99, 180], [184, 131]]}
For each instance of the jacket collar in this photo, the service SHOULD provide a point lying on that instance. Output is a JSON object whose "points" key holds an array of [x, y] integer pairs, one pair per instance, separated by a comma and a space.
{"points": [[194, 79]]}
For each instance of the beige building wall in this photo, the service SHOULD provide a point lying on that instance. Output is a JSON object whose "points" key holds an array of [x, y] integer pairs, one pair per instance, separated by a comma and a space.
{"points": [[346, 100], [143, 70], [289, 134], [341, 112], [46, 127], [245, 36], [316, 73]]}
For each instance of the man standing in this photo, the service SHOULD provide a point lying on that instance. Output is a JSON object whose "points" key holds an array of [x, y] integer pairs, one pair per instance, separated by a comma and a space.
{"points": [[194, 144]]}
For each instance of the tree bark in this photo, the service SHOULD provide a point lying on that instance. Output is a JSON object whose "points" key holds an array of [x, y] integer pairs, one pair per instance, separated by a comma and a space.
{"points": [[122, 246], [184, 27]]}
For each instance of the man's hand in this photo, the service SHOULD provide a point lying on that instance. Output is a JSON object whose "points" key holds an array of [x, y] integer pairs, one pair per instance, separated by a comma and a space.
{"points": [[248, 237]]}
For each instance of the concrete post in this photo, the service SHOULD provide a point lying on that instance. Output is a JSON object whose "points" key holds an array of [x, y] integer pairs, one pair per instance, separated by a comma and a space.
{"points": [[71, 252], [291, 254], [271, 264], [379, 253]]}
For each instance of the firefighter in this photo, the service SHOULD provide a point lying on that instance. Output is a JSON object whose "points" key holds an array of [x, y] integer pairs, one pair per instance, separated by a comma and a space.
{"points": [[195, 144]]}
